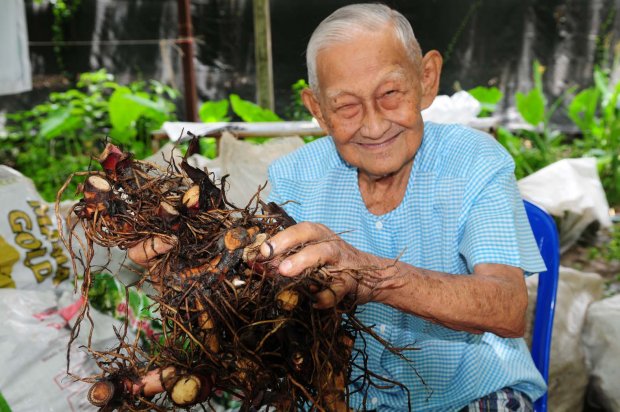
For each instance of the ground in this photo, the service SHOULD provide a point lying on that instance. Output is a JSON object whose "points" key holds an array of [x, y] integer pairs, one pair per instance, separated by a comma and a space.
{"points": [[598, 252]]}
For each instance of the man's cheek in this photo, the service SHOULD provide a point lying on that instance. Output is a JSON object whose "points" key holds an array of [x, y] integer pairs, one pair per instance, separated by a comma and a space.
{"points": [[343, 130]]}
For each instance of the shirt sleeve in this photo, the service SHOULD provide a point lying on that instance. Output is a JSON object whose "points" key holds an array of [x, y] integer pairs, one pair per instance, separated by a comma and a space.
{"points": [[496, 229], [274, 195], [283, 193]]}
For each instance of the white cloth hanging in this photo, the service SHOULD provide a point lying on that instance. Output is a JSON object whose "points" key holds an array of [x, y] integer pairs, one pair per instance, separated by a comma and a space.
{"points": [[15, 74]]}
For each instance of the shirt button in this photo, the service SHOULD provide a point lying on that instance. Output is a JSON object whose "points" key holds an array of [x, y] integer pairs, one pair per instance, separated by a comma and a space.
{"points": [[379, 225], [382, 329], [374, 401]]}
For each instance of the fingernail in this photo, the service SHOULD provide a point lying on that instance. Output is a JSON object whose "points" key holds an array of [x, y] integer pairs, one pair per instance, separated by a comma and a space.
{"points": [[285, 267], [268, 253]]}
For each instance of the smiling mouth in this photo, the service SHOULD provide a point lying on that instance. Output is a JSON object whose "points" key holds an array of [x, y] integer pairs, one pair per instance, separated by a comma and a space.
{"points": [[380, 145]]}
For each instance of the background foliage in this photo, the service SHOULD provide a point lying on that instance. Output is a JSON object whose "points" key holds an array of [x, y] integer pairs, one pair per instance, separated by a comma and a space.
{"points": [[595, 111], [59, 136]]}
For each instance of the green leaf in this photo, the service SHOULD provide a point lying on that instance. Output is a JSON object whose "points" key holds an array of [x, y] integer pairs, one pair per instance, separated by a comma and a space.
{"points": [[4, 405], [142, 99], [124, 111], [58, 123], [250, 112], [106, 293], [208, 147], [582, 110], [146, 311], [99, 76], [531, 106], [601, 82], [214, 111], [135, 302], [488, 97], [123, 136]]}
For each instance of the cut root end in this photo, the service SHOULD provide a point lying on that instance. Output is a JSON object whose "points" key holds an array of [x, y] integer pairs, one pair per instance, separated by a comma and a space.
{"points": [[101, 393], [189, 390]]}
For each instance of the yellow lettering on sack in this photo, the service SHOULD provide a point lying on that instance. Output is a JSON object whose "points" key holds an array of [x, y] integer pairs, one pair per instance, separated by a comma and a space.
{"points": [[26, 240], [62, 273], [8, 257], [41, 269], [19, 221], [45, 223], [22, 226], [43, 220]]}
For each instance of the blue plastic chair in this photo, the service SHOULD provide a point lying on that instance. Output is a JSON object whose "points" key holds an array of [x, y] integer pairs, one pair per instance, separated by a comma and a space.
{"points": [[546, 235]]}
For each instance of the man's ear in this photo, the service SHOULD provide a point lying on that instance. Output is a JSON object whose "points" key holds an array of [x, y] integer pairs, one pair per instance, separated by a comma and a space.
{"points": [[430, 75], [312, 104]]}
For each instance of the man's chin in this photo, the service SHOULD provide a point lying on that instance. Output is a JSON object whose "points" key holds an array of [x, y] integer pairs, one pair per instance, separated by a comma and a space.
{"points": [[379, 173]]}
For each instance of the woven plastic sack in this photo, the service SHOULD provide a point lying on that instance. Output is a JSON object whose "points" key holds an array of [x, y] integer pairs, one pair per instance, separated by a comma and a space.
{"points": [[32, 255]]}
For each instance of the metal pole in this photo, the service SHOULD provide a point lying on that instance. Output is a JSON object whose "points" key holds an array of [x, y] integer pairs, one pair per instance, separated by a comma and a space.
{"points": [[189, 76], [262, 52]]}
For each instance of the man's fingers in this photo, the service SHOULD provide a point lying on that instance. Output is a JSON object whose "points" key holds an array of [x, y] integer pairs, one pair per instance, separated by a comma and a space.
{"points": [[311, 256], [329, 298], [145, 251], [293, 236]]}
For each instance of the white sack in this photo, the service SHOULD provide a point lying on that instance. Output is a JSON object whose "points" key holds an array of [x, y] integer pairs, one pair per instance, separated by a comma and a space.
{"points": [[460, 108], [246, 163], [165, 154], [601, 338], [571, 190], [33, 351], [32, 255], [568, 374]]}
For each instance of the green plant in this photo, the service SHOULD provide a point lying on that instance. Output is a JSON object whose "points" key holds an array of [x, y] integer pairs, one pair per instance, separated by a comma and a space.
{"points": [[220, 111], [251, 112], [596, 113], [4, 405], [59, 136], [296, 109], [540, 144], [62, 11], [610, 250], [489, 98]]}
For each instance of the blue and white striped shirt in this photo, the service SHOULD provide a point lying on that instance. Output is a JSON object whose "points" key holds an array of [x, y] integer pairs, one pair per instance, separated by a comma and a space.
{"points": [[461, 207]]}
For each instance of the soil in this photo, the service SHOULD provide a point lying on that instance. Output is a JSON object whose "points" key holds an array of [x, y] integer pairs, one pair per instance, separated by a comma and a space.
{"points": [[584, 257]]}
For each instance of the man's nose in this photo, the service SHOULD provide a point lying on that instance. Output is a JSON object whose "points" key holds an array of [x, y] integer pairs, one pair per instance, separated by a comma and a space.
{"points": [[375, 124]]}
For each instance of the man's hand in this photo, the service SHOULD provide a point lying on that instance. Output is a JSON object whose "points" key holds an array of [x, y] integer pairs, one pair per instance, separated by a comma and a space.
{"points": [[491, 299], [321, 247]]}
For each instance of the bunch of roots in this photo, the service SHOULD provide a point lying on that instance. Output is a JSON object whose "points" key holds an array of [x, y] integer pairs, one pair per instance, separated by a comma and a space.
{"points": [[229, 322]]}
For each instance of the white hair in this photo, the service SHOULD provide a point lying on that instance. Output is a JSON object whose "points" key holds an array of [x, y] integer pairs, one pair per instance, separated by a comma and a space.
{"points": [[346, 23]]}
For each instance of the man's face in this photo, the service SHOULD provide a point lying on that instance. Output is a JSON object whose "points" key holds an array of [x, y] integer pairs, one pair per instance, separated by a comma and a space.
{"points": [[370, 100]]}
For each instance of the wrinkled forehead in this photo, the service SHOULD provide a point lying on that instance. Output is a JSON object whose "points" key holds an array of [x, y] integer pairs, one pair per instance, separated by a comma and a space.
{"points": [[363, 63]]}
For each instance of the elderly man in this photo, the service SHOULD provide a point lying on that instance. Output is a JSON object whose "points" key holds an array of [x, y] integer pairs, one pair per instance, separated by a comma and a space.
{"points": [[433, 209], [440, 200]]}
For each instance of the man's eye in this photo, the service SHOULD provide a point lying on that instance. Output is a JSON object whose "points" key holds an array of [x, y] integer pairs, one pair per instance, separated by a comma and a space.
{"points": [[347, 108], [391, 99]]}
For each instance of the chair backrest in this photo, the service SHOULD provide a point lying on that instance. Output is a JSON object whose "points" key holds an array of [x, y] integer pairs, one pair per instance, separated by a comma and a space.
{"points": [[546, 235]]}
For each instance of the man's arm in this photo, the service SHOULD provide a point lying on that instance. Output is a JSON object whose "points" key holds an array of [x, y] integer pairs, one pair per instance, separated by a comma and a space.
{"points": [[492, 299]]}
